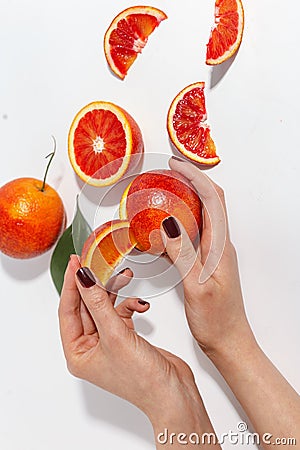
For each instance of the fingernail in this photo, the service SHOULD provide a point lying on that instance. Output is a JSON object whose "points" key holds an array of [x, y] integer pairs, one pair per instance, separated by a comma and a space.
{"points": [[171, 227], [123, 270], [142, 302], [177, 159], [85, 277]]}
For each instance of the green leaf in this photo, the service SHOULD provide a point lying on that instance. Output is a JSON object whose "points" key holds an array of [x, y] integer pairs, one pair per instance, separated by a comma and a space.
{"points": [[71, 242]]}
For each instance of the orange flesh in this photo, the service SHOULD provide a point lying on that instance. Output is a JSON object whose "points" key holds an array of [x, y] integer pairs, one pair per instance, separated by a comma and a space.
{"points": [[111, 249], [225, 33], [129, 38], [99, 139], [187, 122]]}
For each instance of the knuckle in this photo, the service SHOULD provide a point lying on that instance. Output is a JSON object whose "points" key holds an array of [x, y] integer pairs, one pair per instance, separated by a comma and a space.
{"points": [[220, 192], [96, 301], [232, 251], [73, 369], [188, 256], [174, 247]]}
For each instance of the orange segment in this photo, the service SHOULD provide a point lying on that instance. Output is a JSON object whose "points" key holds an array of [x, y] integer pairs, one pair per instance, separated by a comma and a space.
{"points": [[226, 36], [102, 141], [106, 247], [127, 35], [187, 126]]}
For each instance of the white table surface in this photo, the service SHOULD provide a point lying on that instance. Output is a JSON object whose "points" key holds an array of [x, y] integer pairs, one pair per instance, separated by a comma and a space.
{"points": [[52, 64]]}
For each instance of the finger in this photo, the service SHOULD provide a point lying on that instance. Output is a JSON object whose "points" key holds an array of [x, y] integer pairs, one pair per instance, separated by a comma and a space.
{"points": [[98, 303], [117, 282], [71, 327], [88, 323], [129, 306], [113, 286], [180, 249], [209, 191], [215, 231], [89, 326], [211, 194]]}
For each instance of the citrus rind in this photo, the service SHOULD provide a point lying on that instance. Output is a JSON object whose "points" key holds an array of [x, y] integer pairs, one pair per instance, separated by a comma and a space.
{"points": [[125, 120], [147, 10], [210, 161], [234, 48]]}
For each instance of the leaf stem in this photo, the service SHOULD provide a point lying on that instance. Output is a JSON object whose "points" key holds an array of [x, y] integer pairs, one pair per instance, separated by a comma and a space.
{"points": [[48, 165]]}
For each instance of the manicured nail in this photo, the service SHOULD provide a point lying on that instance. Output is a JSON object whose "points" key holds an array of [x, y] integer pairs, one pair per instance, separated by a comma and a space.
{"points": [[142, 302], [123, 270], [85, 277], [178, 159], [171, 227]]}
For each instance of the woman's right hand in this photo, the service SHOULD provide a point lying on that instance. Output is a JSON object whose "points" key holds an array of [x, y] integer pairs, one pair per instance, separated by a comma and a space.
{"points": [[213, 298], [217, 318]]}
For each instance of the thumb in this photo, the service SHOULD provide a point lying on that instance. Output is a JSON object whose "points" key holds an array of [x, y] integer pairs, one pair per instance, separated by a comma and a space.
{"points": [[180, 248], [97, 302]]}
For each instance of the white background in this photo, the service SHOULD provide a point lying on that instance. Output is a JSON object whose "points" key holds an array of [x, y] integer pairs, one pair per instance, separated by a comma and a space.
{"points": [[52, 64]]}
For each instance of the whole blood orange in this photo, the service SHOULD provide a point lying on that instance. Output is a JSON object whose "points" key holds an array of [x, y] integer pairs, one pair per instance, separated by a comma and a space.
{"points": [[128, 34], [106, 247], [226, 35], [187, 126], [32, 217], [153, 196], [105, 142]]}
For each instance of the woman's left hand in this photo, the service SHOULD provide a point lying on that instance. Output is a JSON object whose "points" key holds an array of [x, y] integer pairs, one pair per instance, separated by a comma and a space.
{"points": [[101, 346]]}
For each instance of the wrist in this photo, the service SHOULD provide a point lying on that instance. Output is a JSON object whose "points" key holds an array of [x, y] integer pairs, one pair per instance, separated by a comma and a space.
{"points": [[235, 349], [181, 417]]}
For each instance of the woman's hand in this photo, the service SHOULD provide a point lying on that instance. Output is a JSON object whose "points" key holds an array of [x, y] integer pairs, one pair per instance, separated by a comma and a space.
{"points": [[213, 298], [216, 316], [101, 346]]}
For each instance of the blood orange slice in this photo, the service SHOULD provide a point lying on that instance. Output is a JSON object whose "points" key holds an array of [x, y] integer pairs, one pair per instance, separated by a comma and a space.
{"points": [[127, 35], [105, 142], [187, 126], [106, 247], [226, 35]]}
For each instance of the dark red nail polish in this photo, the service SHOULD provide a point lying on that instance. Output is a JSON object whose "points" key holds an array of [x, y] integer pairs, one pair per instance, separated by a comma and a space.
{"points": [[122, 271], [142, 302], [171, 227], [85, 277]]}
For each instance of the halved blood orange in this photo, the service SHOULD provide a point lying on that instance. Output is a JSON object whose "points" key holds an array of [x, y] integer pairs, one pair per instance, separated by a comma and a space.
{"points": [[104, 143], [127, 35], [187, 126], [106, 247], [227, 33]]}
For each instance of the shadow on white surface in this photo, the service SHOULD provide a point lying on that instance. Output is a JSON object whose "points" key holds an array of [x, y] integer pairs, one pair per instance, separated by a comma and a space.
{"points": [[105, 407], [208, 366], [25, 269], [177, 153], [143, 326], [109, 195], [218, 72]]}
